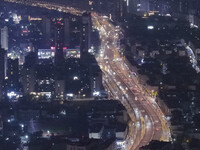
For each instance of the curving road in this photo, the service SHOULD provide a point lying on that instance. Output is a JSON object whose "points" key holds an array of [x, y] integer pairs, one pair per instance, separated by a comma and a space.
{"points": [[147, 122]]}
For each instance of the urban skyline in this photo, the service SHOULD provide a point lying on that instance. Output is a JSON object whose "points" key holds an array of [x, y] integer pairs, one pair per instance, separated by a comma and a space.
{"points": [[99, 75]]}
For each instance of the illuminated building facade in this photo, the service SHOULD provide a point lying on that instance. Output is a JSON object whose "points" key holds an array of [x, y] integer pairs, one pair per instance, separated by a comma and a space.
{"points": [[50, 53], [4, 38]]}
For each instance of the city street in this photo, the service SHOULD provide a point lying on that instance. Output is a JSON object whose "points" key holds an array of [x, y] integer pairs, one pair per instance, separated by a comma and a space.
{"points": [[147, 120]]}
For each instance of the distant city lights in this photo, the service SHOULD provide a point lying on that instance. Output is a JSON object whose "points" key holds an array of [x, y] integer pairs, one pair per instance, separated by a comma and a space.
{"points": [[150, 27], [96, 93], [70, 95]]}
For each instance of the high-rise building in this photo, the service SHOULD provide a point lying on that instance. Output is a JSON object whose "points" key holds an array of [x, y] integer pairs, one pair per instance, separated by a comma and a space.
{"points": [[59, 56], [180, 6], [86, 33], [2, 70], [121, 9], [161, 6], [47, 31], [183, 6], [13, 74], [28, 80], [66, 31], [45, 79], [139, 6], [143, 6], [95, 76], [4, 38], [28, 73], [2, 64], [60, 88], [95, 80]]}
